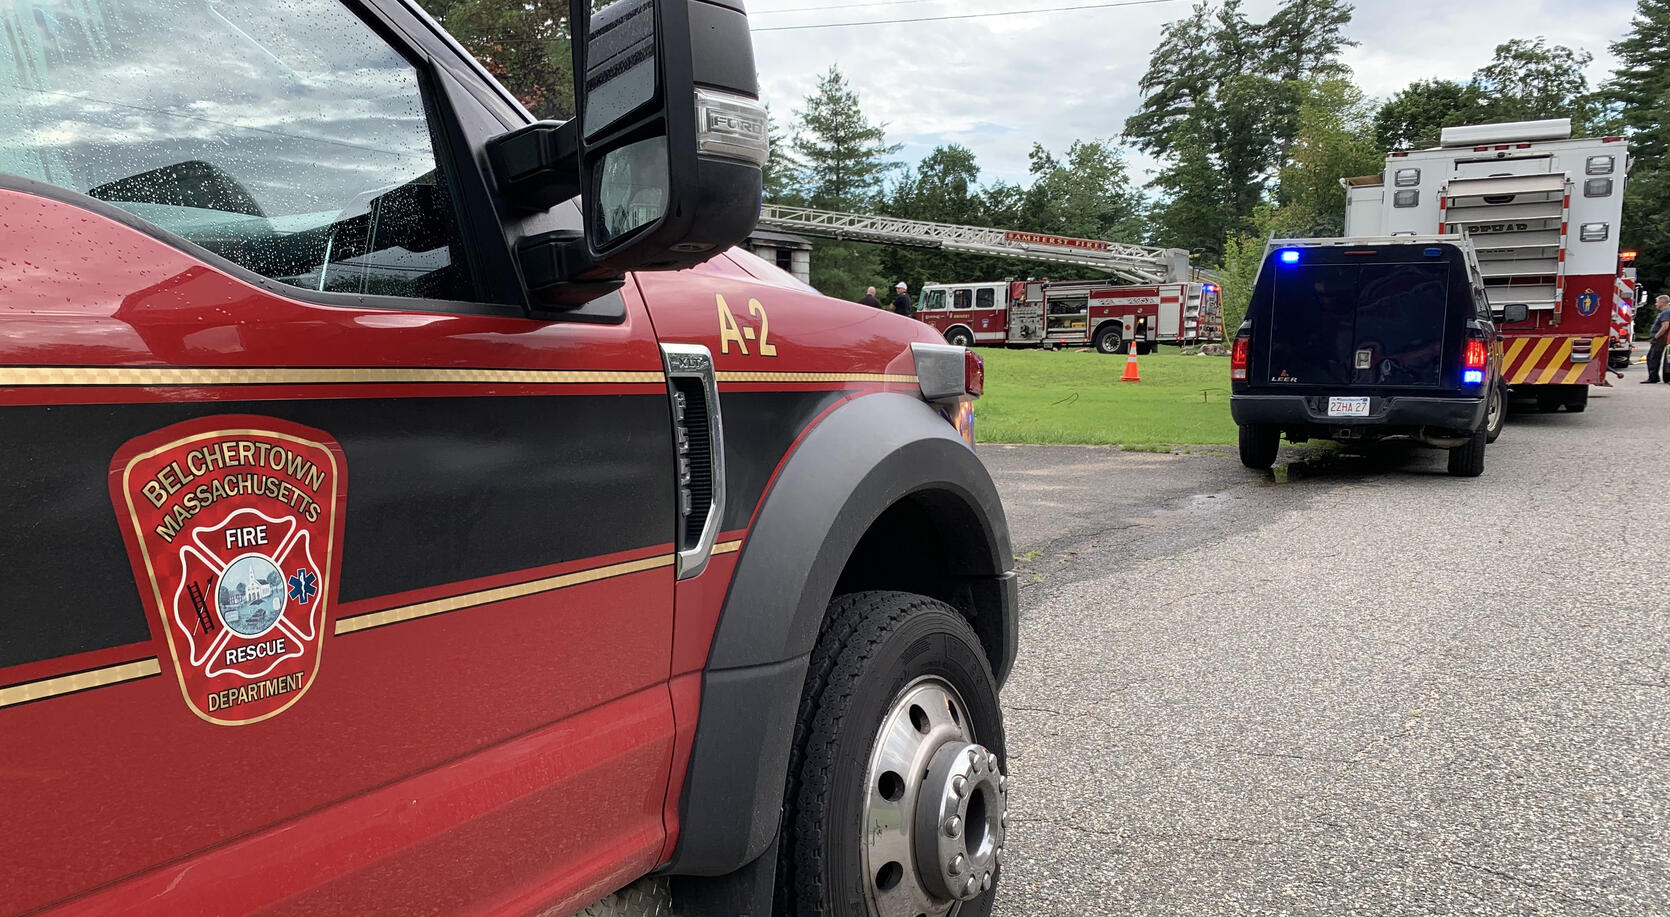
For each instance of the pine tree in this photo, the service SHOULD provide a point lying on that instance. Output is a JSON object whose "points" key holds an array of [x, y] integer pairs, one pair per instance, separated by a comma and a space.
{"points": [[1303, 40], [1641, 87], [841, 159], [1181, 74], [843, 155], [780, 177]]}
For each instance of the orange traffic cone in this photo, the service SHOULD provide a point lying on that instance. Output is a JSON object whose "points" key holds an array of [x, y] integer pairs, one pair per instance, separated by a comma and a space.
{"points": [[1131, 374]]}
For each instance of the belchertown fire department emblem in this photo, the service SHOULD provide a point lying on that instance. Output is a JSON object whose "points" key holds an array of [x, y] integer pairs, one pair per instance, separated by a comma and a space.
{"points": [[234, 529]]}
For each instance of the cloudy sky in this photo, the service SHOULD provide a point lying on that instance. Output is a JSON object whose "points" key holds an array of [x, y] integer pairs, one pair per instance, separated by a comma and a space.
{"points": [[997, 84]]}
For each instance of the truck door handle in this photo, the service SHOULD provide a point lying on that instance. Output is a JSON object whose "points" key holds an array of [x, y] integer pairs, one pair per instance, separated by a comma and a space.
{"points": [[698, 453]]}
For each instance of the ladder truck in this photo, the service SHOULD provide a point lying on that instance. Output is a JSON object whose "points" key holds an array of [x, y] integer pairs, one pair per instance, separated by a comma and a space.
{"points": [[1160, 299], [1543, 210]]}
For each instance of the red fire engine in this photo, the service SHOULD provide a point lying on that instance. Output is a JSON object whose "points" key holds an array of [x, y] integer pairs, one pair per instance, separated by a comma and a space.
{"points": [[1543, 209], [1622, 347], [411, 507], [1073, 313], [1159, 301]]}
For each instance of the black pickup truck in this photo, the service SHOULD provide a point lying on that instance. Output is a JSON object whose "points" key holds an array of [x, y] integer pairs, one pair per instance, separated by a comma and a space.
{"points": [[1363, 339]]}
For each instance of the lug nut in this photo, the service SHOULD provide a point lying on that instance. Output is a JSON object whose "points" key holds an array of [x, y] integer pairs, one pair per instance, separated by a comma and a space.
{"points": [[1002, 820], [1003, 784], [953, 826], [959, 786], [973, 757], [986, 882], [969, 886], [1000, 856], [957, 863], [991, 762]]}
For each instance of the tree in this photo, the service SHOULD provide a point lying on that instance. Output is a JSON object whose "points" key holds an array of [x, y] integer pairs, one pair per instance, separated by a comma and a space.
{"points": [[1335, 140], [1641, 88], [1088, 194], [841, 160], [1412, 119], [525, 45], [843, 155], [780, 177], [1181, 73], [943, 188], [1221, 100], [1530, 80], [1303, 39], [1191, 214]]}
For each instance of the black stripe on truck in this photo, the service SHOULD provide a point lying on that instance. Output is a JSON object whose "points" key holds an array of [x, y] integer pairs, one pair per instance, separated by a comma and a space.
{"points": [[439, 490]]}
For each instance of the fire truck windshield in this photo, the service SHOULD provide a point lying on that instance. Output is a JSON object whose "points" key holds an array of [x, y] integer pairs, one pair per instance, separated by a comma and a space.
{"points": [[260, 131]]}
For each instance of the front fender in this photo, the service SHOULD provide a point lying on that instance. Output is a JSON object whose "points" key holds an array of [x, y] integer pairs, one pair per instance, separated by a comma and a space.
{"points": [[860, 460]]}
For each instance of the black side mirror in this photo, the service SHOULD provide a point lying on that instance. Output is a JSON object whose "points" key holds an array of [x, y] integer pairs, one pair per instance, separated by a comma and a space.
{"points": [[665, 151], [1513, 312]]}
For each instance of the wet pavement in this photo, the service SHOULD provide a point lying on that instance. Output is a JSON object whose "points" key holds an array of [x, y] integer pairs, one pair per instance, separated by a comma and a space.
{"points": [[1370, 688]]}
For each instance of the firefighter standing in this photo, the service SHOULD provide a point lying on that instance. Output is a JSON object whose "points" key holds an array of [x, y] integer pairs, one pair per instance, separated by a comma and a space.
{"points": [[1655, 350], [870, 299], [901, 302]]}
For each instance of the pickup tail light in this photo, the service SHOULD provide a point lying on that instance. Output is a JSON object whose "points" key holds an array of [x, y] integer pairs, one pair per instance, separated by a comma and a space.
{"points": [[1473, 362], [1238, 359]]}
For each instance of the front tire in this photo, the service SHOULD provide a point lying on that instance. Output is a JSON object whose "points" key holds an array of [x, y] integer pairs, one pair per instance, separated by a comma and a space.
{"points": [[1467, 460], [1496, 414], [899, 733], [1259, 445], [1107, 340], [959, 337]]}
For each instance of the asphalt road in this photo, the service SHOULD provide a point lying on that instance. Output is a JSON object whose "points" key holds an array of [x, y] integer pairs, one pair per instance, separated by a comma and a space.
{"points": [[1368, 688]]}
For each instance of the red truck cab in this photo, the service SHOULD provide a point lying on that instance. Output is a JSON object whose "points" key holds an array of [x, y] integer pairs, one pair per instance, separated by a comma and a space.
{"points": [[414, 507]]}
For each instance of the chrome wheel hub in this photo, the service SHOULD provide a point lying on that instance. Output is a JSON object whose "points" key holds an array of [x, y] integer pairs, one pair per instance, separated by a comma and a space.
{"points": [[936, 817]]}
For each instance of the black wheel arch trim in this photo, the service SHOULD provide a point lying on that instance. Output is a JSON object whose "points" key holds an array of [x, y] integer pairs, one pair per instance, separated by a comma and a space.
{"points": [[862, 459]]}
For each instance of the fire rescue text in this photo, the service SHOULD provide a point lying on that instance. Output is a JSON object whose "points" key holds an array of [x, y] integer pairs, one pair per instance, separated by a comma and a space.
{"points": [[304, 478]]}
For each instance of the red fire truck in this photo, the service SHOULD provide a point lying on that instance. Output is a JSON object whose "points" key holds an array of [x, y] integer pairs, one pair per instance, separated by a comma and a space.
{"points": [[1622, 349], [1543, 210], [411, 507], [1073, 313]]}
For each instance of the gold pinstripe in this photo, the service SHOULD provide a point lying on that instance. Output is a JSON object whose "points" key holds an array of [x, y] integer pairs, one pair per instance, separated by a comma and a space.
{"points": [[812, 377], [186, 375], [1561, 358], [502, 593], [80, 681], [144, 668]]}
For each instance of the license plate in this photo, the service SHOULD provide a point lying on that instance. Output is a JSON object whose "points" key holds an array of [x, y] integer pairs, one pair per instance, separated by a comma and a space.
{"points": [[1348, 407]]}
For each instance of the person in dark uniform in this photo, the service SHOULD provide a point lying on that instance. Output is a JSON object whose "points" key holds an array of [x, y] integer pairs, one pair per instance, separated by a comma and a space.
{"points": [[901, 302], [870, 299], [1660, 332]]}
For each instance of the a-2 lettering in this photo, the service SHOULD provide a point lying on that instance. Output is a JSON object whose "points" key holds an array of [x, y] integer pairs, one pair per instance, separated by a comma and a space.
{"points": [[740, 333]]}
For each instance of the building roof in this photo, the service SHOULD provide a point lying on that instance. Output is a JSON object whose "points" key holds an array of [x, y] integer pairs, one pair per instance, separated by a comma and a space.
{"points": [[779, 239]]}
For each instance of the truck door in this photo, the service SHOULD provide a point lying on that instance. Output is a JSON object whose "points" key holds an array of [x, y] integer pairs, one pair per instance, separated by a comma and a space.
{"points": [[332, 577]]}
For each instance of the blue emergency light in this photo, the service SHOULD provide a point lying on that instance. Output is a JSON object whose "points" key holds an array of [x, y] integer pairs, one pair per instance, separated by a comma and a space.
{"points": [[1472, 376], [1290, 257]]}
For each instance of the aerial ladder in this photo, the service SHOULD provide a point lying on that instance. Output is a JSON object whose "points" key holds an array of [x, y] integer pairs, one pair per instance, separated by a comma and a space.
{"points": [[1134, 263]]}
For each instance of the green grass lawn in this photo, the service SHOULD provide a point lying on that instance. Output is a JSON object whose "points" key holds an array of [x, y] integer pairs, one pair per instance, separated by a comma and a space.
{"points": [[1038, 396]]}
